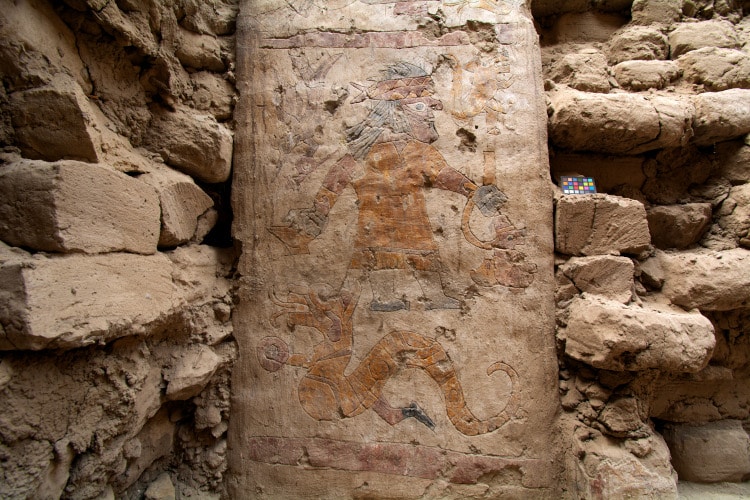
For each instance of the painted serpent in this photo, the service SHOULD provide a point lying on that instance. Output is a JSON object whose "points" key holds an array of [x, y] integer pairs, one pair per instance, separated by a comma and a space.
{"points": [[327, 393]]}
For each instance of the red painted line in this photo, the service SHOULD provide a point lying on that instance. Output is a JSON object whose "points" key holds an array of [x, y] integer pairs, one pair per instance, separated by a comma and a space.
{"points": [[424, 462]]}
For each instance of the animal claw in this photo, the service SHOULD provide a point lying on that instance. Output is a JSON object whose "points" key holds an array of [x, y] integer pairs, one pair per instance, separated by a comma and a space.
{"points": [[414, 411]]}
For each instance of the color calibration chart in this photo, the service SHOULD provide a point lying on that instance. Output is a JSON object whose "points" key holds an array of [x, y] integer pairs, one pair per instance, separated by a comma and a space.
{"points": [[577, 185]]}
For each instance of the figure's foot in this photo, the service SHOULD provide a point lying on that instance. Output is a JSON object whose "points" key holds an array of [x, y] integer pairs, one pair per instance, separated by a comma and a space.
{"points": [[444, 302], [390, 305], [414, 411]]}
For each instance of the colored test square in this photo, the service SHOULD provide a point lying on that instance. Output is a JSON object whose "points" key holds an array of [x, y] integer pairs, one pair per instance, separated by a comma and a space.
{"points": [[577, 185]]}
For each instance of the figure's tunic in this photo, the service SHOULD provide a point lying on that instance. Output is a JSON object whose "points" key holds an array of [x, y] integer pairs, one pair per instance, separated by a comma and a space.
{"points": [[393, 229]]}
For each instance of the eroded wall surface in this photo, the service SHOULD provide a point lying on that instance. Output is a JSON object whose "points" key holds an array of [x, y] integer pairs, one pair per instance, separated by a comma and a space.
{"points": [[395, 291], [392, 201], [650, 98], [115, 255]]}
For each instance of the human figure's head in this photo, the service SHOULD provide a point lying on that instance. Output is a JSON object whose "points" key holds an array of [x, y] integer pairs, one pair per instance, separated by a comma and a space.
{"points": [[401, 106]]}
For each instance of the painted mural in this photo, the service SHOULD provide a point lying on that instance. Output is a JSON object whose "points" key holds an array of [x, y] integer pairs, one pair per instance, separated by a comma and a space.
{"points": [[327, 393], [390, 163], [391, 312]]}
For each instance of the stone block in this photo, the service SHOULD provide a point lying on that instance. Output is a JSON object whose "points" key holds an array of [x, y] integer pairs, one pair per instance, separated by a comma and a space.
{"points": [[637, 43], [216, 16], [678, 226], [586, 71], [649, 12], [71, 206], [199, 270], [29, 56], [200, 52], [611, 336], [620, 418], [712, 281], [565, 289], [600, 224], [182, 203], [213, 94], [76, 300], [733, 159], [709, 453], [692, 36], [605, 275], [720, 116], [672, 173], [644, 75], [129, 27], [706, 9], [206, 223], [618, 123], [192, 143], [715, 393], [154, 441], [55, 121], [606, 468], [192, 368], [588, 26], [161, 488], [716, 69]]}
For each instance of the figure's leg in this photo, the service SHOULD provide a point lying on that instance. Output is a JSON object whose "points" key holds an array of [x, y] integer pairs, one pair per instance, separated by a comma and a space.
{"points": [[433, 292], [382, 285], [385, 296], [426, 269]]}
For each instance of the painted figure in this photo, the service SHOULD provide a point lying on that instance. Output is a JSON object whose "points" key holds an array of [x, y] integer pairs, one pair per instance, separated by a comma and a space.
{"points": [[327, 393], [477, 87], [390, 165]]}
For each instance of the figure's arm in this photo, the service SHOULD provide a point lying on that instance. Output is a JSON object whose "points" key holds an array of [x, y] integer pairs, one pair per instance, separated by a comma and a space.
{"points": [[306, 224], [489, 199], [338, 177], [427, 163], [312, 221], [451, 179]]}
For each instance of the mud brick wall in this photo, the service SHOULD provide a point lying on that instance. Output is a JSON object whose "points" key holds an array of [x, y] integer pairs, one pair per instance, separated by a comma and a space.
{"points": [[652, 100], [115, 256], [268, 249]]}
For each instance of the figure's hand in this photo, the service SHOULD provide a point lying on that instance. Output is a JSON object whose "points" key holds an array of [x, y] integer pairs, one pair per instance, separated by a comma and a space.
{"points": [[509, 239], [489, 200], [306, 221], [302, 227]]}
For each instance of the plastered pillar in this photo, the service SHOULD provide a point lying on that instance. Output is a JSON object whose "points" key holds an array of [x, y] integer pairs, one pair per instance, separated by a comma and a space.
{"points": [[392, 199]]}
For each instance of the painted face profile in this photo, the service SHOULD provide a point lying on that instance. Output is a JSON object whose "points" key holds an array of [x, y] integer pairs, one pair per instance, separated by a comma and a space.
{"points": [[401, 104], [419, 114]]}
